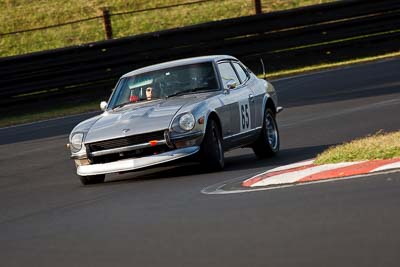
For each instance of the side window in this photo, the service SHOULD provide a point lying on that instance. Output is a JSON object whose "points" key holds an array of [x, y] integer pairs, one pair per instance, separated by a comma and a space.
{"points": [[227, 73], [243, 75]]}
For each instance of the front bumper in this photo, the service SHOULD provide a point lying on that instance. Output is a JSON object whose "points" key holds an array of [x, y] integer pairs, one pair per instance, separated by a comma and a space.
{"points": [[136, 163]]}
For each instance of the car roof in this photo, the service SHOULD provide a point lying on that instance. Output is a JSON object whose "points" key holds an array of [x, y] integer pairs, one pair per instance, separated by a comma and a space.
{"points": [[180, 62]]}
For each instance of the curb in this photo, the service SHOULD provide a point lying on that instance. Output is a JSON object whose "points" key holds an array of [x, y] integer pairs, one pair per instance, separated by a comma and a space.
{"points": [[307, 171]]}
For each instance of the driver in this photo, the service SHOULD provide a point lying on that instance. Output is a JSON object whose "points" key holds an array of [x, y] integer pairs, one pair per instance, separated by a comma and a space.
{"points": [[149, 93], [152, 93]]}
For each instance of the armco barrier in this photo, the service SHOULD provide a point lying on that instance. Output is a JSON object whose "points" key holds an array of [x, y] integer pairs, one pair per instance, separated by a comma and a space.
{"points": [[285, 39]]}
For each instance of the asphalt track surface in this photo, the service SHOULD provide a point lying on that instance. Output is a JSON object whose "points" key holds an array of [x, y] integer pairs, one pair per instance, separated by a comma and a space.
{"points": [[164, 218]]}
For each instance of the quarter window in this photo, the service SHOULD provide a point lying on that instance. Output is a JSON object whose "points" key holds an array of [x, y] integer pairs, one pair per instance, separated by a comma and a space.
{"points": [[227, 73], [243, 75]]}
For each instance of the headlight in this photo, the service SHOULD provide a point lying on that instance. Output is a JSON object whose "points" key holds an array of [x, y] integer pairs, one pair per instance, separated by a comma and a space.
{"points": [[76, 142], [187, 121]]}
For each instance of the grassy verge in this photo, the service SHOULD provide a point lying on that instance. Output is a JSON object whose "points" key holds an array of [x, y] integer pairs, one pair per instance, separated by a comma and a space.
{"points": [[378, 146], [93, 106], [49, 114], [26, 14], [325, 66]]}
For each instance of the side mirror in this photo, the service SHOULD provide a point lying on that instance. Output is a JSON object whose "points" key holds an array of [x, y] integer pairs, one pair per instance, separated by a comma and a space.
{"points": [[103, 105], [231, 84]]}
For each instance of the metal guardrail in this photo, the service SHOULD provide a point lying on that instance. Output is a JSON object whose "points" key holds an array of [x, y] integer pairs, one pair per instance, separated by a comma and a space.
{"points": [[284, 39]]}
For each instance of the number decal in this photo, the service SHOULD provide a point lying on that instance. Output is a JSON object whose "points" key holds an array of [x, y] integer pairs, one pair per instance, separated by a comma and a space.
{"points": [[242, 112], [245, 119]]}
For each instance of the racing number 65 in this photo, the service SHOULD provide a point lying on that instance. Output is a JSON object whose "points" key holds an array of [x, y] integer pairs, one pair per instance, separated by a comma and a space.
{"points": [[244, 116]]}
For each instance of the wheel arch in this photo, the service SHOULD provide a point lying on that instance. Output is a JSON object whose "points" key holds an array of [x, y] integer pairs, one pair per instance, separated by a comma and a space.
{"points": [[214, 116], [269, 104]]}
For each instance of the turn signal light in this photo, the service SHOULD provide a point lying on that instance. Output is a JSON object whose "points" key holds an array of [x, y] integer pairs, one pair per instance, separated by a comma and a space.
{"points": [[201, 120]]}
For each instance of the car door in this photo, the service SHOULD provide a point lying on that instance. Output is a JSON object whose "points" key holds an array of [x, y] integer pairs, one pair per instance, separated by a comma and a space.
{"points": [[256, 96], [236, 106]]}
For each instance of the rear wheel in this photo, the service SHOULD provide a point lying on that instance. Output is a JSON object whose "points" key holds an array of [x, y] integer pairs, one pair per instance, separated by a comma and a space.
{"points": [[93, 179], [268, 143], [211, 151]]}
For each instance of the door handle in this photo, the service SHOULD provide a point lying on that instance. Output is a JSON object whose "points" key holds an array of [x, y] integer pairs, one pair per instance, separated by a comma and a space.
{"points": [[251, 97]]}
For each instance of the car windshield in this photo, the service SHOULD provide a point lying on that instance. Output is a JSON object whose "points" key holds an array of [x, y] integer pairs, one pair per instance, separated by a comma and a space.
{"points": [[164, 83]]}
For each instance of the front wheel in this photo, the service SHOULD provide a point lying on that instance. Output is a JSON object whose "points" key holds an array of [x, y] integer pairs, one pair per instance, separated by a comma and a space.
{"points": [[268, 143], [211, 151], [93, 179]]}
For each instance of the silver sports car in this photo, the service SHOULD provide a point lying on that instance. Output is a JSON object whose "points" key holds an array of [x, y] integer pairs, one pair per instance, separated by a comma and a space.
{"points": [[195, 108]]}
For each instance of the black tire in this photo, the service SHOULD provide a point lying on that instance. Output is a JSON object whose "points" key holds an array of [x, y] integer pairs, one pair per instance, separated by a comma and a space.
{"points": [[211, 151], [268, 143], [94, 179]]}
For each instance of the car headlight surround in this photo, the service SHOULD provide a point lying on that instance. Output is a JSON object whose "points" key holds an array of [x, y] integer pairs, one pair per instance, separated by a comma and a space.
{"points": [[76, 142], [187, 122]]}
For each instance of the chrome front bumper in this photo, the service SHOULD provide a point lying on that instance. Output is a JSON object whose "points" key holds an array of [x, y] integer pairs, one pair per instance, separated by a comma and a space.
{"points": [[136, 163]]}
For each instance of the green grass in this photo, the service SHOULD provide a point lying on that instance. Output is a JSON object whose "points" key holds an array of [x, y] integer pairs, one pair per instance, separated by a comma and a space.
{"points": [[26, 14], [49, 114], [378, 146], [318, 67]]}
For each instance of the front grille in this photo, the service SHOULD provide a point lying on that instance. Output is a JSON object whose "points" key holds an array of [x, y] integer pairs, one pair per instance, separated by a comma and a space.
{"points": [[126, 141], [148, 151]]}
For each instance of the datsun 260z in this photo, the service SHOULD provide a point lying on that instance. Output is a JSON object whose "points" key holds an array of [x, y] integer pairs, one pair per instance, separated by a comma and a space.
{"points": [[195, 108]]}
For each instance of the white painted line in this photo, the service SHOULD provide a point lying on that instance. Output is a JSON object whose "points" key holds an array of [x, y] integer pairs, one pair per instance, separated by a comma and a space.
{"points": [[50, 119], [394, 165], [294, 176], [221, 191], [283, 168], [334, 69], [291, 166]]}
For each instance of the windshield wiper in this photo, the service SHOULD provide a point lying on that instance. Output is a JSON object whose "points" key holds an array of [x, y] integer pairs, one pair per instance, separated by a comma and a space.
{"points": [[189, 91]]}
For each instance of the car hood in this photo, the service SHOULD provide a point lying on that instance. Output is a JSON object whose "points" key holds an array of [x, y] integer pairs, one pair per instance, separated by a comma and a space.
{"points": [[137, 118]]}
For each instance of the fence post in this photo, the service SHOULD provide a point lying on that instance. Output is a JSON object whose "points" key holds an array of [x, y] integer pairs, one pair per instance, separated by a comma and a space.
{"points": [[107, 23], [257, 7]]}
